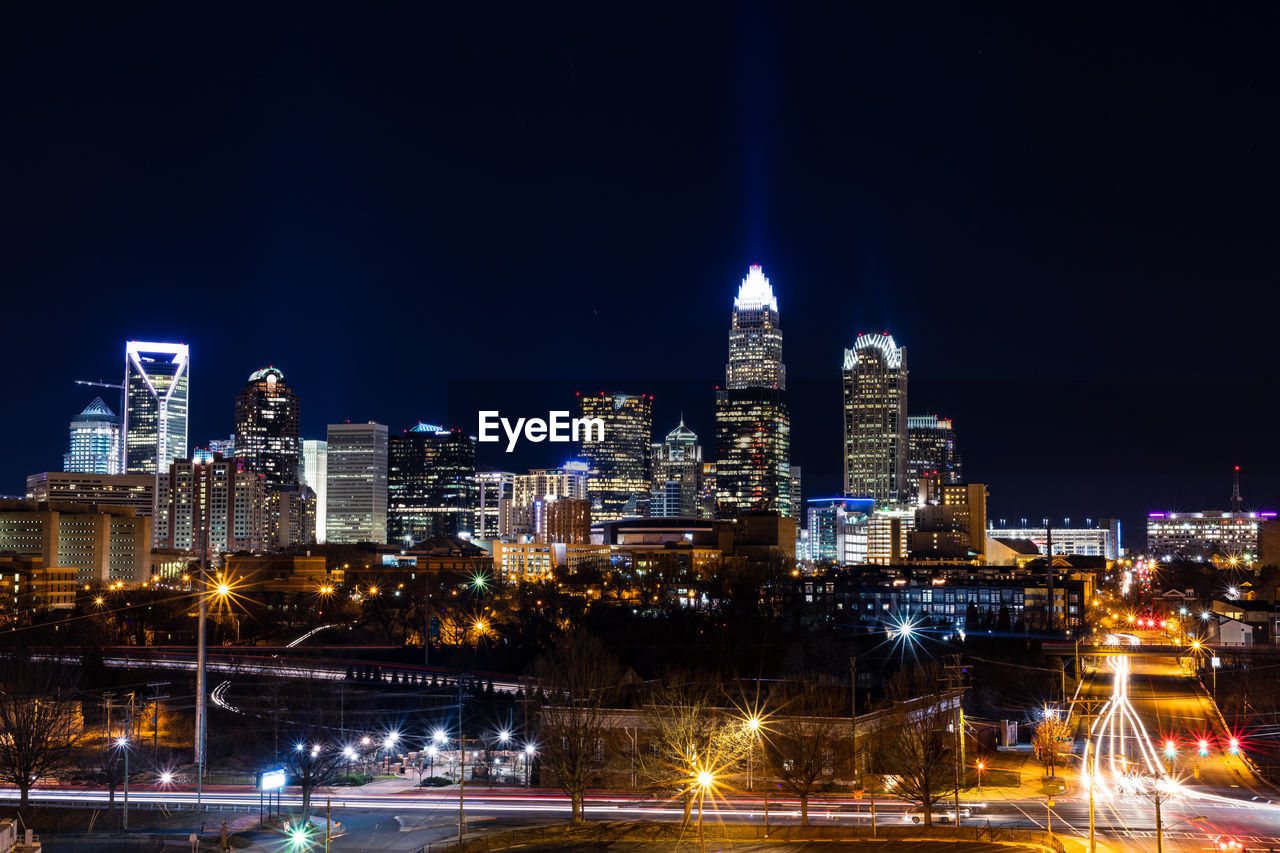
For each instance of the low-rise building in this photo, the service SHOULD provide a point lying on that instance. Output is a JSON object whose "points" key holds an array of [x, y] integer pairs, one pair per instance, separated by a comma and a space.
{"points": [[1209, 535], [102, 544]]}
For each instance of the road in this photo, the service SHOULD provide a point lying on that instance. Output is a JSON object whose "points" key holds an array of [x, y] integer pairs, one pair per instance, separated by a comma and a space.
{"points": [[1148, 702], [1158, 735]]}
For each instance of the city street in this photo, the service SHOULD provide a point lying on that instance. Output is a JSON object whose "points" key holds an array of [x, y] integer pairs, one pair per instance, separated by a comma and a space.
{"points": [[1146, 735]]}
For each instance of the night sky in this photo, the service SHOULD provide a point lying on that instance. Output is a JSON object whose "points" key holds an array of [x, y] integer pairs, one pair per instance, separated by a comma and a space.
{"points": [[1068, 216]]}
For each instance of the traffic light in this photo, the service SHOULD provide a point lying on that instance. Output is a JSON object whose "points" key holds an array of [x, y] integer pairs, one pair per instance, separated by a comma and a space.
{"points": [[1234, 747], [1170, 748], [1204, 747]]}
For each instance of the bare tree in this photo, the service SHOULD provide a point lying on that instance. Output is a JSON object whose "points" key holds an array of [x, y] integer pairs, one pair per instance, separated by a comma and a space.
{"points": [[40, 722], [808, 745], [313, 761], [690, 733], [913, 742], [303, 734], [1049, 737], [578, 677]]}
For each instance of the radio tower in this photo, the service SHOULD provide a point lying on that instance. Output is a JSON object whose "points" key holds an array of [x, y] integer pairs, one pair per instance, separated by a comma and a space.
{"points": [[1236, 503]]}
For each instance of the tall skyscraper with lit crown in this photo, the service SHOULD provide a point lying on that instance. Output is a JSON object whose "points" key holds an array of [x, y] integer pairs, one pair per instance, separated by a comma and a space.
{"points": [[266, 436], [156, 393], [753, 422], [875, 419], [755, 337]]}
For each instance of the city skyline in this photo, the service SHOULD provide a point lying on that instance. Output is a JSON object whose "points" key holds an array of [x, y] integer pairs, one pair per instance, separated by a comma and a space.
{"points": [[1002, 208]]}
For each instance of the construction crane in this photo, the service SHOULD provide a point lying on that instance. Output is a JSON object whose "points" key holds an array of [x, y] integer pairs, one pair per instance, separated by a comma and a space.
{"points": [[99, 384]]}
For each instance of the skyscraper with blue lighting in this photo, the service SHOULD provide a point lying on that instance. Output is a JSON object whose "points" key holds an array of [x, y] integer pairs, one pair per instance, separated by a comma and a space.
{"points": [[95, 441]]}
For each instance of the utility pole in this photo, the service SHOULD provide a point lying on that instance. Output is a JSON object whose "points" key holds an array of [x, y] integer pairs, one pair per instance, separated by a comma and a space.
{"points": [[1048, 529], [201, 708], [155, 717], [954, 673], [1093, 844], [126, 739], [462, 769], [853, 714], [107, 698]]}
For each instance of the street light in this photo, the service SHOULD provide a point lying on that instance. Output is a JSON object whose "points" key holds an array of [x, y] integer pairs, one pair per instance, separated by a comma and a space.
{"points": [[753, 726], [504, 737], [704, 779], [528, 756], [122, 743], [981, 767]]}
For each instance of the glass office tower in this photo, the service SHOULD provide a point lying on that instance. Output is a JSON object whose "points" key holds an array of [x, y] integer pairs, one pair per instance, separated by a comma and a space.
{"points": [[155, 405], [95, 441]]}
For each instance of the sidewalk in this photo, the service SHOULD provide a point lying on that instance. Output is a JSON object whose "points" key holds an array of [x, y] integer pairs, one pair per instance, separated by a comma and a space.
{"points": [[1015, 774]]}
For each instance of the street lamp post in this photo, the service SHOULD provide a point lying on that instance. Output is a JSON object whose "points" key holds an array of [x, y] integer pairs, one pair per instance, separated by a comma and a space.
{"points": [[123, 744], [704, 780], [528, 757], [503, 737]]}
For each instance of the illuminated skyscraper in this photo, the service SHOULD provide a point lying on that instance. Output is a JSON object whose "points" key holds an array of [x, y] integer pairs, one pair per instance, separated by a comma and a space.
{"points": [[267, 428], [931, 448], [755, 338], [95, 441], [677, 474], [618, 479], [218, 505], [224, 446], [155, 405], [753, 422], [314, 472], [356, 483], [492, 488], [431, 484], [875, 419]]}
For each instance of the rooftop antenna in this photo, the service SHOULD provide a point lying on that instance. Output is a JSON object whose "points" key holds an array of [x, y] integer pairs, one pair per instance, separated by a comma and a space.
{"points": [[1236, 503]]}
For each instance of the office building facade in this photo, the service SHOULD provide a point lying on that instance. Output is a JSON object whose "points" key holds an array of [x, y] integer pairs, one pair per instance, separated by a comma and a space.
{"points": [[94, 446], [136, 491], [753, 450], [1100, 541], [677, 475], [290, 517], [931, 449], [217, 506], [1209, 535], [356, 483], [492, 488], [101, 544], [753, 422], [156, 401], [266, 436], [618, 475], [314, 474], [431, 484], [875, 419]]}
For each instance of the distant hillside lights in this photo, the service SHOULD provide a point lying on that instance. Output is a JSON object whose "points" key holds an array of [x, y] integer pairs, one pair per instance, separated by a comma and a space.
{"points": [[558, 427]]}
